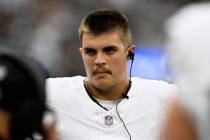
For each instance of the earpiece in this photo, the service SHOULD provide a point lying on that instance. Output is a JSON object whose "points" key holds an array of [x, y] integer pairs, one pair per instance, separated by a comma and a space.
{"points": [[131, 55]]}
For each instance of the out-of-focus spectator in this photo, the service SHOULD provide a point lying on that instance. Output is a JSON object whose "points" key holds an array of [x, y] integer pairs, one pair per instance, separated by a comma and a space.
{"points": [[49, 36], [43, 30], [22, 99], [189, 57]]}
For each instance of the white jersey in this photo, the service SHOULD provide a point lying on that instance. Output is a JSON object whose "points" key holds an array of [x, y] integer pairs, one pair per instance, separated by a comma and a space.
{"points": [[80, 118]]}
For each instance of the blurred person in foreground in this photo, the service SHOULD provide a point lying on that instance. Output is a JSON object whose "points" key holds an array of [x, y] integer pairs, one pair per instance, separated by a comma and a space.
{"points": [[108, 103], [22, 99], [189, 57]]}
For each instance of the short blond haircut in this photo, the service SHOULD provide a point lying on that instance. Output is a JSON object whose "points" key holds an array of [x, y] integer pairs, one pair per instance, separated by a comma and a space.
{"points": [[106, 20]]}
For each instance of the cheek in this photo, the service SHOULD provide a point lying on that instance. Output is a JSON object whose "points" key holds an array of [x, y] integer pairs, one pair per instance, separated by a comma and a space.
{"points": [[119, 63], [88, 62]]}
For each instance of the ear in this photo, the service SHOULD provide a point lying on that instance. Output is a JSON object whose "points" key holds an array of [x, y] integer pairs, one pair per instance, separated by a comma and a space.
{"points": [[130, 51], [131, 48], [81, 51]]}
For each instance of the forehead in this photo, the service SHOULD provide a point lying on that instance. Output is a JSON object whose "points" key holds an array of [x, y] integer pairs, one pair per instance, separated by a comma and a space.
{"points": [[104, 39]]}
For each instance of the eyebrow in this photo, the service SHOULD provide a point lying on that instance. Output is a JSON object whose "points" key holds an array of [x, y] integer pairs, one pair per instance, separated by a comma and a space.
{"points": [[95, 48], [110, 47]]}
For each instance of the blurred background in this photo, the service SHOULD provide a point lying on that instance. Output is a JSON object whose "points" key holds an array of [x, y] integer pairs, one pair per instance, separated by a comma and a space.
{"points": [[46, 30]]}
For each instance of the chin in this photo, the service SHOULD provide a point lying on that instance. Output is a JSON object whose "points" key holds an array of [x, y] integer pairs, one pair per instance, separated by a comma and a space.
{"points": [[102, 84]]}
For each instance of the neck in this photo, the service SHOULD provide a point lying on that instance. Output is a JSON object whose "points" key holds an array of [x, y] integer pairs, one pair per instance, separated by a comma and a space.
{"points": [[111, 94]]}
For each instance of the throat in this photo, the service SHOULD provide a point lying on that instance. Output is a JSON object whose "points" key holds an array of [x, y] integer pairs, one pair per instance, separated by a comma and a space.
{"points": [[111, 94]]}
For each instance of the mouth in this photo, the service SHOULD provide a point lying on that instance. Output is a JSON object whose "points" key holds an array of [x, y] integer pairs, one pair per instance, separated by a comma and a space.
{"points": [[101, 73]]}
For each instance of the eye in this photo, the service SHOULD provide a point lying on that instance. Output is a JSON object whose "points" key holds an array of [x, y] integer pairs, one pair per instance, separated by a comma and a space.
{"points": [[90, 51], [110, 50]]}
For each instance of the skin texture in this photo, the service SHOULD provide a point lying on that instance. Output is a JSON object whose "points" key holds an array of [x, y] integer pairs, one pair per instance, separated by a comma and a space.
{"points": [[105, 61], [48, 129], [4, 123], [49, 132], [178, 125]]}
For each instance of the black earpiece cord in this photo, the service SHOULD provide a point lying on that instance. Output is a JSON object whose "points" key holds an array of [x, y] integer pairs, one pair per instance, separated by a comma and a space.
{"points": [[122, 121], [91, 97], [131, 69]]}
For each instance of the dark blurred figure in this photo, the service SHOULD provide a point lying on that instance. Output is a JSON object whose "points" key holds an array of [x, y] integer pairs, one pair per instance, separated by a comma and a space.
{"points": [[189, 57], [22, 99]]}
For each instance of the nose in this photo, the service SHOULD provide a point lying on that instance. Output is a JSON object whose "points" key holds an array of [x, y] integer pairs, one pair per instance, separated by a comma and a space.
{"points": [[100, 59]]}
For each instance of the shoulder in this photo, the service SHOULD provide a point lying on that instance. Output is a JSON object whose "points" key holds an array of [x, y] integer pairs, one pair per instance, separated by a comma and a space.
{"points": [[62, 88], [159, 88], [160, 84], [63, 84], [63, 80]]}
